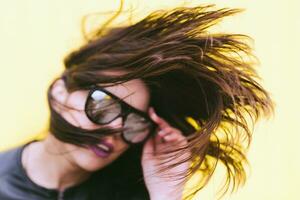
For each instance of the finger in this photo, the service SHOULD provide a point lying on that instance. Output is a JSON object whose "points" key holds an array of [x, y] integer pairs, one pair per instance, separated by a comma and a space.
{"points": [[170, 130], [165, 132], [160, 121], [158, 139], [172, 138], [175, 137]]}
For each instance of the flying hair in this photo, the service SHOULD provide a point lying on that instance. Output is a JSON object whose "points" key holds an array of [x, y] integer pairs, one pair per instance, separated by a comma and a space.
{"points": [[203, 83]]}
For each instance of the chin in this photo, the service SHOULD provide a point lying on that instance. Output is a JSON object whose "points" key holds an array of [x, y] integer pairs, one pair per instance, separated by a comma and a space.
{"points": [[92, 167], [90, 162]]}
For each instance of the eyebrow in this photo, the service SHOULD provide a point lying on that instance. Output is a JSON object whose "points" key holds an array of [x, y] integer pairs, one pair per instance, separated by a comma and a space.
{"points": [[121, 99]]}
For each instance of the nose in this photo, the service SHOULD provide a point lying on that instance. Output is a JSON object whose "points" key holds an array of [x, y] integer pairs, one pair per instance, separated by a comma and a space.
{"points": [[117, 123]]}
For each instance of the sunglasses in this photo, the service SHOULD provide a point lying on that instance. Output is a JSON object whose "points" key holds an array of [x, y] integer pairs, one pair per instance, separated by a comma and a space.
{"points": [[102, 107]]}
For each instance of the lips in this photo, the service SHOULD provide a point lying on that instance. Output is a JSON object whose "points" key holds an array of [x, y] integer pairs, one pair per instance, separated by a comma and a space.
{"points": [[103, 149]]}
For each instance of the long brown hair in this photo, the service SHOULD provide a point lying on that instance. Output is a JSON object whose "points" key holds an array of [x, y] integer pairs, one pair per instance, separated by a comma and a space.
{"points": [[202, 83]]}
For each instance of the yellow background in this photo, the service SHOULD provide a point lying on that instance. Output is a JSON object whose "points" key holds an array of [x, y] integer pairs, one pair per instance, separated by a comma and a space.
{"points": [[36, 34]]}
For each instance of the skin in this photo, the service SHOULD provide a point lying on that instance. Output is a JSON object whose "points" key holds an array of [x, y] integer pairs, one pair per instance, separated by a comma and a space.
{"points": [[162, 185], [65, 165]]}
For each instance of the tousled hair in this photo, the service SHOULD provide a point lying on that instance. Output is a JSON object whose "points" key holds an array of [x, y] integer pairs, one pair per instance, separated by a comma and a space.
{"points": [[202, 83]]}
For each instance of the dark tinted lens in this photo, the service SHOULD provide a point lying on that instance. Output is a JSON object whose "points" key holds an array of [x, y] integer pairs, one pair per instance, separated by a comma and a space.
{"points": [[102, 108], [137, 128]]}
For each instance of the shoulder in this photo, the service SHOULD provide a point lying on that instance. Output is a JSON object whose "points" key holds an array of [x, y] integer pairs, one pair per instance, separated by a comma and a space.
{"points": [[10, 172], [9, 160]]}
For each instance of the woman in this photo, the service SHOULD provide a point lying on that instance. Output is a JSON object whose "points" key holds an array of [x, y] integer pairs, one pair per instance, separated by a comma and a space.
{"points": [[140, 109]]}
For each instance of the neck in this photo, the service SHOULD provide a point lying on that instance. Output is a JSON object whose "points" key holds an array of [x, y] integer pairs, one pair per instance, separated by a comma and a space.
{"points": [[48, 166]]}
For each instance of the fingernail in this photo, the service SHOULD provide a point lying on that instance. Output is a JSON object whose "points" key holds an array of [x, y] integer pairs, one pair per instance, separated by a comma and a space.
{"points": [[168, 137], [161, 132]]}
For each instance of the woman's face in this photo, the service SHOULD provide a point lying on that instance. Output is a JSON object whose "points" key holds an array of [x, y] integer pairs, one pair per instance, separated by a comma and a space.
{"points": [[133, 92]]}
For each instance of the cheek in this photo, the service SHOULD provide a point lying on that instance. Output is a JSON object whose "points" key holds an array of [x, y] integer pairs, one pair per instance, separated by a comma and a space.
{"points": [[116, 155], [121, 148], [79, 118]]}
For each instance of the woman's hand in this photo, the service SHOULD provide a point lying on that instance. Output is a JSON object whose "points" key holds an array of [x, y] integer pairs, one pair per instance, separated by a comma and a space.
{"points": [[166, 184]]}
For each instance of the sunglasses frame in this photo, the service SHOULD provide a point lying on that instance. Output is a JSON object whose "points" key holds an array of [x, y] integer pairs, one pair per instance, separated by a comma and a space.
{"points": [[126, 109]]}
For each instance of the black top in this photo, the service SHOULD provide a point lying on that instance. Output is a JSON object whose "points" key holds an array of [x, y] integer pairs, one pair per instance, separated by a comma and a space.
{"points": [[16, 185]]}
